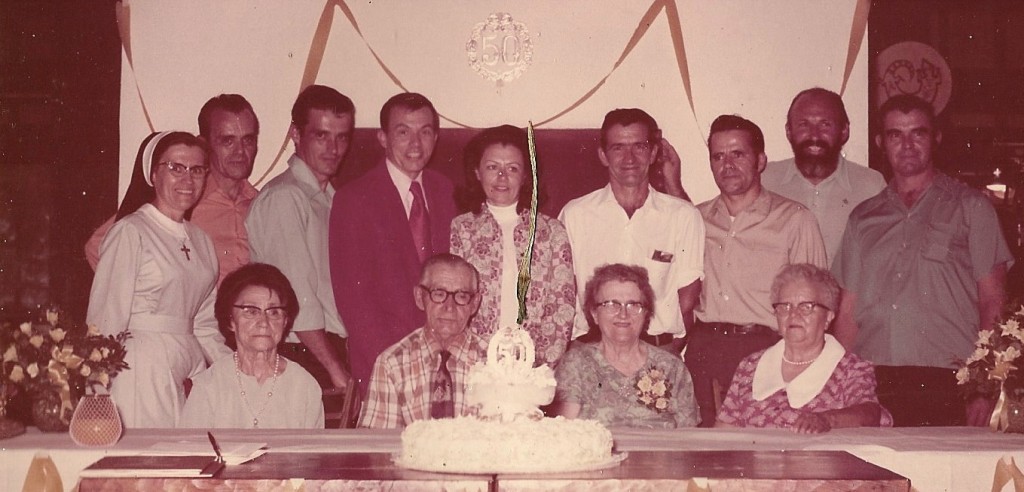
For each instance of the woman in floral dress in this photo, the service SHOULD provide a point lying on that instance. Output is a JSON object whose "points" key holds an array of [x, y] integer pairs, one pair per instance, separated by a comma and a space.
{"points": [[806, 382], [493, 237], [621, 380]]}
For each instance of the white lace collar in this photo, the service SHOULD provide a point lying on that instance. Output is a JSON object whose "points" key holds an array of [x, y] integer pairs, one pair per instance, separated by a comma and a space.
{"points": [[806, 385]]}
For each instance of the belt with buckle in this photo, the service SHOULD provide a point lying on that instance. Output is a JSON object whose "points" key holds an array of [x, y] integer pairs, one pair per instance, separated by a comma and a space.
{"points": [[658, 340], [733, 329]]}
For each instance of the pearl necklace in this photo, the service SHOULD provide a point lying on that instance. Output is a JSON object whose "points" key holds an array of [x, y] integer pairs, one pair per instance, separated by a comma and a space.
{"points": [[804, 363], [245, 400]]}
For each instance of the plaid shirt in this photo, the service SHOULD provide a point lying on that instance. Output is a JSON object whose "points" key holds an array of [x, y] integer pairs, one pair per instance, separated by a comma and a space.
{"points": [[400, 385]]}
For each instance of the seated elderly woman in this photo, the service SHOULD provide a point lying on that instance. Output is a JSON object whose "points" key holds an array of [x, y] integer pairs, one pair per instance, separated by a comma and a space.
{"points": [[621, 380], [807, 381], [256, 388]]}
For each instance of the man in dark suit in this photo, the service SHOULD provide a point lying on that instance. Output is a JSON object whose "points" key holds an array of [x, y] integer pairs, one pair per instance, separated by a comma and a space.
{"points": [[383, 226]]}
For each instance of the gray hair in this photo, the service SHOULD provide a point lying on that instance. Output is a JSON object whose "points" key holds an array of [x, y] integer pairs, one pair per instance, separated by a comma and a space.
{"points": [[826, 284]]}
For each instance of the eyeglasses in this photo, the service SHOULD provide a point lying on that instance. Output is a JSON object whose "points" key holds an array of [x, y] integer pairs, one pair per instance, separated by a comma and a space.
{"points": [[802, 308], [461, 297], [250, 312], [180, 170], [633, 308], [636, 148]]}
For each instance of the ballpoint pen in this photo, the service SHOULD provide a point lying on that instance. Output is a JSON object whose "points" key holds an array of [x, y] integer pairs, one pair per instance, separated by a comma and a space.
{"points": [[216, 447]]}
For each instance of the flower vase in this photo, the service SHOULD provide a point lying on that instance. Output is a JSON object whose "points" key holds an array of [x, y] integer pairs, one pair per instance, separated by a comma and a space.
{"points": [[1014, 415], [96, 422], [8, 427], [49, 413]]}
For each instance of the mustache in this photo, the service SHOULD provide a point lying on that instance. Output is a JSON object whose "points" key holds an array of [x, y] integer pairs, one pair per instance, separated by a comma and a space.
{"points": [[815, 142]]}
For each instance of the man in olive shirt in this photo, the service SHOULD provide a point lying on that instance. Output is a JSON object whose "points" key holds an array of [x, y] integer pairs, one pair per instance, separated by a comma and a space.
{"points": [[923, 268]]}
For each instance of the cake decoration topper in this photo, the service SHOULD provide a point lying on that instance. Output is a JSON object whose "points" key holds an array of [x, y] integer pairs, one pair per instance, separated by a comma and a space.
{"points": [[512, 348]]}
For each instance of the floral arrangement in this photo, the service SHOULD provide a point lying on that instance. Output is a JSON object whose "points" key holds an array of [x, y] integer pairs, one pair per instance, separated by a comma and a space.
{"points": [[47, 355], [653, 389], [994, 366]]}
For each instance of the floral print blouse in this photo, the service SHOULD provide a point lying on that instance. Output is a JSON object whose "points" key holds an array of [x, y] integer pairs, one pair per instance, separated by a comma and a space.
{"points": [[551, 298], [616, 399]]}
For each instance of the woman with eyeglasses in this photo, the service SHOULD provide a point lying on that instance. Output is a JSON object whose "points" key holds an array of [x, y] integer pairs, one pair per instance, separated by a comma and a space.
{"points": [[621, 380], [256, 387], [493, 236], [807, 381], [155, 278]]}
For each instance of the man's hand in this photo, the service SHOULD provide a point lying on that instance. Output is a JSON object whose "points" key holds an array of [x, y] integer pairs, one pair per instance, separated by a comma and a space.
{"points": [[317, 344], [670, 167], [979, 411], [341, 380]]}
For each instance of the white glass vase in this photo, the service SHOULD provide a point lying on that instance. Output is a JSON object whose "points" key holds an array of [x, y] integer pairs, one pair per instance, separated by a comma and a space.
{"points": [[96, 422]]}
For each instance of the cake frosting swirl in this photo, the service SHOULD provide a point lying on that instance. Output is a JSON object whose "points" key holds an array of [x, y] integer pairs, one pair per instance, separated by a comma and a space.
{"points": [[508, 432]]}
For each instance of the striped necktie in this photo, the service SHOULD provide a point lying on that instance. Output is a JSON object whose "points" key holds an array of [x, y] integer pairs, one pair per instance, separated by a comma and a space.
{"points": [[419, 222]]}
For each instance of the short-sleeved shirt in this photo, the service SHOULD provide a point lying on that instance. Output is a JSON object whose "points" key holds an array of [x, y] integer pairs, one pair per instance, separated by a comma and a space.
{"points": [[831, 200], [743, 255], [584, 376], [852, 382], [665, 236], [399, 392], [287, 226], [915, 272]]}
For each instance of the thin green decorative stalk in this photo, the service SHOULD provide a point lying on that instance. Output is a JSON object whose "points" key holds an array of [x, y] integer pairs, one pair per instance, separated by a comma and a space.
{"points": [[524, 265]]}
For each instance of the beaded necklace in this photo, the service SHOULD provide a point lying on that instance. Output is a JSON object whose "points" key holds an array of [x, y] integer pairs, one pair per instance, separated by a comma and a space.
{"points": [[270, 393]]}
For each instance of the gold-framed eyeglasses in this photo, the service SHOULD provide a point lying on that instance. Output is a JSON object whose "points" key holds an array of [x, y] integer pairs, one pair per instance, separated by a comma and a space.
{"points": [[615, 308], [802, 308], [250, 312], [179, 170], [438, 296]]}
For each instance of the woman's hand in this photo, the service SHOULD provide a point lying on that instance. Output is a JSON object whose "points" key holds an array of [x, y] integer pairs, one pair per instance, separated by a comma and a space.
{"points": [[812, 423]]}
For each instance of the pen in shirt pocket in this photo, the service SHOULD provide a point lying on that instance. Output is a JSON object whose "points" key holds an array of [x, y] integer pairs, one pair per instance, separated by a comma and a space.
{"points": [[662, 256]]}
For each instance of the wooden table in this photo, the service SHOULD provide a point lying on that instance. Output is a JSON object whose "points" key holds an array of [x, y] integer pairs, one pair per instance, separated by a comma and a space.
{"points": [[642, 470], [964, 459], [724, 470]]}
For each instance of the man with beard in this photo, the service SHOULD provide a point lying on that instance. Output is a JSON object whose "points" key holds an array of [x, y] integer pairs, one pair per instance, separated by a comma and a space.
{"points": [[818, 176], [751, 234], [229, 126], [923, 267]]}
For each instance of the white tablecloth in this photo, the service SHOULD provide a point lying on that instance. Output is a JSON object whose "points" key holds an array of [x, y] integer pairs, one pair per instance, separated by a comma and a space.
{"points": [[935, 459]]}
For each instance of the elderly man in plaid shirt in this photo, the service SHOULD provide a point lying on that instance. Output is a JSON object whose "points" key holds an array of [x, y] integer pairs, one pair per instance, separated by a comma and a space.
{"points": [[423, 376]]}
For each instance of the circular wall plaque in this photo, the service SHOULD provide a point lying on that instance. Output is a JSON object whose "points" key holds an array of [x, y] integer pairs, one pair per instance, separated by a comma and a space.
{"points": [[500, 49], [914, 68]]}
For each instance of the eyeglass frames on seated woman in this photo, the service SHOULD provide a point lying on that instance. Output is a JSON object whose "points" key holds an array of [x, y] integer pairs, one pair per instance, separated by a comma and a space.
{"points": [[632, 308], [273, 313], [802, 308], [439, 296]]}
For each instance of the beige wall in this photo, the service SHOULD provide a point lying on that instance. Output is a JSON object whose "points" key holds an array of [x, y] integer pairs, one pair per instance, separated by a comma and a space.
{"points": [[745, 57]]}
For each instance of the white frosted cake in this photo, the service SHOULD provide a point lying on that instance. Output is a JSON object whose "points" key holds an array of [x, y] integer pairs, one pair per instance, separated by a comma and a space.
{"points": [[508, 433]]}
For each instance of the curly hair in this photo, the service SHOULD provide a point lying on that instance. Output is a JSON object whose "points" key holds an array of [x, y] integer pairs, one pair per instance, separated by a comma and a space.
{"points": [[621, 273], [823, 280]]}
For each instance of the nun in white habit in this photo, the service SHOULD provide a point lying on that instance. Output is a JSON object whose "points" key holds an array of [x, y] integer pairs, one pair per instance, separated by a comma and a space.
{"points": [[156, 278]]}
